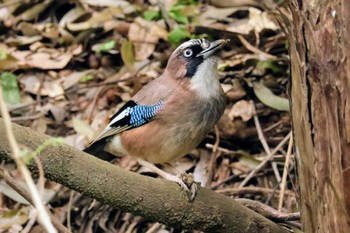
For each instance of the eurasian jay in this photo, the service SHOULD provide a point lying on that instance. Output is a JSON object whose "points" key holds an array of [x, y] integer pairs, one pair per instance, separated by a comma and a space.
{"points": [[170, 115]]}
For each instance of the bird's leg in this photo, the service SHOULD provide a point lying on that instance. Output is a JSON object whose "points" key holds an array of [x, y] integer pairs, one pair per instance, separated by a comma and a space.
{"points": [[187, 178], [184, 180]]}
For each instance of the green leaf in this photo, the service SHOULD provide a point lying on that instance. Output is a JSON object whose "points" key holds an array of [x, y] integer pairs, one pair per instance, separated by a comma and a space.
{"points": [[177, 35], [8, 218], [271, 65], [247, 159], [187, 2], [127, 53], [271, 100], [105, 47], [3, 55], [10, 88], [86, 77], [152, 15], [176, 13]]}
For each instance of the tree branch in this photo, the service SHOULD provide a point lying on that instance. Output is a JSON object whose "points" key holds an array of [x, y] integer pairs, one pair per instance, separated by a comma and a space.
{"points": [[155, 199]]}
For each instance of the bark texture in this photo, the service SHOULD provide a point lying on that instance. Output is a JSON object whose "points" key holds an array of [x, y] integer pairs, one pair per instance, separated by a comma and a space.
{"points": [[156, 199], [319, 37]]}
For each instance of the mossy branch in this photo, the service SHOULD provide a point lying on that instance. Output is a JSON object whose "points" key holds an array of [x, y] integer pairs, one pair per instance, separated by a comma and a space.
{"points": [[155, 199]]}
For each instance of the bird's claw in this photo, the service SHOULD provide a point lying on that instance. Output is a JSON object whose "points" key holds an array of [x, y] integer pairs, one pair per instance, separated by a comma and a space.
{"points": [[188, 184]]}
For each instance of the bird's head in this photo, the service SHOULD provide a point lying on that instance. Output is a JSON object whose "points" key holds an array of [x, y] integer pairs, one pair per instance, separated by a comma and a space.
{"points": [[192, 55], [195, 67]]}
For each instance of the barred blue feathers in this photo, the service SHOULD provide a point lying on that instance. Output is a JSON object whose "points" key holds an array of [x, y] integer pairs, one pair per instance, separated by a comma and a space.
{"points": [[134, 115], [141, 114]]}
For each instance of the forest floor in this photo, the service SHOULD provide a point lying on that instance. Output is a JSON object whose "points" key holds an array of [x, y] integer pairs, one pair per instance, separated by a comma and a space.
{"points": [[69, 65]]}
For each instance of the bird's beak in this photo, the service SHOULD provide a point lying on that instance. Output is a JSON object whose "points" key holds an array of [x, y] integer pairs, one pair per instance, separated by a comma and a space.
{"points": [[213, 47]]}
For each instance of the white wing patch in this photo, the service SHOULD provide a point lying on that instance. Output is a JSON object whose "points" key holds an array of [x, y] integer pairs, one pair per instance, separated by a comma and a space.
{"points": [[120, 116]]}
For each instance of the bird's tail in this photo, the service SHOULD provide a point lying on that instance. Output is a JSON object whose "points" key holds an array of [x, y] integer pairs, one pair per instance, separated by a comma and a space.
{"points": [[96, 149]]}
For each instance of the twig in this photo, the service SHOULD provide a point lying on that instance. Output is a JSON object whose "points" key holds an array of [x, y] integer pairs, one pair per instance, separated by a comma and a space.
{"points": [[154, 228], [268, 211], [43, 216], [165, 15], [33, 214], [267, 150], [70, 203], [266, 147], [272, 126], [250, 190], [255, 50], [232, 177], [7, 4], [217, 140], [223, 150], [263, 163], [285, 171], [25, 118], [26, 195]]}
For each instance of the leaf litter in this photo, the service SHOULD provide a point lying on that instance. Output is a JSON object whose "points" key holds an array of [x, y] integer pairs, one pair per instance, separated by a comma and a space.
{"points": [[67, 66]]}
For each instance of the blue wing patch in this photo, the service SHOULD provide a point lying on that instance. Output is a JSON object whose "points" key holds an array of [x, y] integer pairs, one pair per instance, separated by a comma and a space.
{"points": [[134, 115], [131, 115], [141, 114]]}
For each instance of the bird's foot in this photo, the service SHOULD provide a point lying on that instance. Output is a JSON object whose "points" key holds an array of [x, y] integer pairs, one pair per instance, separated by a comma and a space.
{"points": [[186, 183], [185, 180], [188, 179]]}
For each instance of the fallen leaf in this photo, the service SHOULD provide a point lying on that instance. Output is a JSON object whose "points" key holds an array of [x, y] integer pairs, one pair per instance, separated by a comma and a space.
{"points": [[109, 3], [10, 88], [127, 54], [57, 109], [271, 100], [75, 77], [9, 192], [83, 128], [71, 16], [32, 84], [35, 10], [28, 29], [247, 159], [98, 19], [13, 217], [213, 14], [258, 20], [7, 61], [177, 35], [145, 35], [104, 47], [45, 58], [243, 109], [201, 173], [24, 40]]}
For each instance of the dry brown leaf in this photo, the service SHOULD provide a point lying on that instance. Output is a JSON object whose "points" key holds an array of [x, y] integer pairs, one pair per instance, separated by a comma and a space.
{"points": [[32, 84], [45, 58], [35, 10], [98, 19], [212, 14], [8, 63], [145, 35], [71, 16], [258, 21], [73, 78], [243, 109], [28, 29], [109, 3]]}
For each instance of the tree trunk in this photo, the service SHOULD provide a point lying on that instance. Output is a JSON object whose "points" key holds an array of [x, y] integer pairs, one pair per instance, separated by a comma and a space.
{"points": [[320, 94]]}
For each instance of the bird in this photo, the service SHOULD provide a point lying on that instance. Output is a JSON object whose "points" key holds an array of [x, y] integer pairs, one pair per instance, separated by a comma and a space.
{"points": [[170, 115]]}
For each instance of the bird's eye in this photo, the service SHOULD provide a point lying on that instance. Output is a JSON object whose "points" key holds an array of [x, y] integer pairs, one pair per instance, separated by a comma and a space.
{"points": [[188, 52]]}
